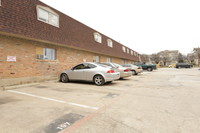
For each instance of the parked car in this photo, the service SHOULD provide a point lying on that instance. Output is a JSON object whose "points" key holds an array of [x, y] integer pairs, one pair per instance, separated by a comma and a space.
{"points": [[135, 69], [183, 65], [124, 72], [148, 67], [89, 71]]}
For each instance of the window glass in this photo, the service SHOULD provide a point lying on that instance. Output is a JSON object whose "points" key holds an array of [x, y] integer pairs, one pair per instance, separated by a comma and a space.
{"points": [[53, 19], [124, 49], [49, 54], [127, 50], [117, 65], [96, 59], [43, 15], [81, 66], [109, 59], [97, 37], [131, 52], [110, 43], [90, 66], [108, 64]]}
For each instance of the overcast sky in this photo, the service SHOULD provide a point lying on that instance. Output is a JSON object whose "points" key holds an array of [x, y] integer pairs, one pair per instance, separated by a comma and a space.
{"points": [[146, 26]]}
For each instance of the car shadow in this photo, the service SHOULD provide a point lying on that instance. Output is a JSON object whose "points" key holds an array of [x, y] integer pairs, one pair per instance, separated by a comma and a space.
{"points": [[90, 83]]}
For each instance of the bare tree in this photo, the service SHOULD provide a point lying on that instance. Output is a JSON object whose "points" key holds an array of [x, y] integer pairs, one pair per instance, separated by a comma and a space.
{"points": [[180, 58], [197, 51], [155, 58], [191, 58], [165, 58], [146, 58]]}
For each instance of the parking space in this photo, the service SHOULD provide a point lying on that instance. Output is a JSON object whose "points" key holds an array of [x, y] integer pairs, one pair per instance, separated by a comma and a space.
{"points": [[36, 108]]}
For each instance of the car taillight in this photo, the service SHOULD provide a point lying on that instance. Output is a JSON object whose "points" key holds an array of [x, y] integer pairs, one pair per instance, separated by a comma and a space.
{"points": [[126, 70], [111, 71], [139, 67]]}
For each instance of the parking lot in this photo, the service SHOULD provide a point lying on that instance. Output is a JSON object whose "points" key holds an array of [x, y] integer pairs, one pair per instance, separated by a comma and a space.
{"points": [[165, 100]]}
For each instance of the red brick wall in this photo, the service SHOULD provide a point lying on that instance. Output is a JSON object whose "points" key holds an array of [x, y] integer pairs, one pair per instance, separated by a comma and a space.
{"points": [[27, 66]]}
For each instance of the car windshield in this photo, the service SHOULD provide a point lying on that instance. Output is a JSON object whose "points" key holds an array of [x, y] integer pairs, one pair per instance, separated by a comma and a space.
{"points": [[102, 65], [117, 65]]}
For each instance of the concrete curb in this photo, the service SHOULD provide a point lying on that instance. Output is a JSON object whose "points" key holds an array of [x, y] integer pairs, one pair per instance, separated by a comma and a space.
{"points": [[3, 88]]}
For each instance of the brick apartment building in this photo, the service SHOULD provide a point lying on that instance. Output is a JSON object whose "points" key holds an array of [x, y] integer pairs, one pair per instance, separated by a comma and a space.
{"points": [[37, 42]]}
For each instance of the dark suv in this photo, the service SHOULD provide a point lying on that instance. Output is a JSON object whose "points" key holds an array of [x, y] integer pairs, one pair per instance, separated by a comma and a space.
{"points": [[148, 67], [183, 65]]}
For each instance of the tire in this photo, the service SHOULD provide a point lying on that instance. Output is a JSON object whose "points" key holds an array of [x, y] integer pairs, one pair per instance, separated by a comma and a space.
{"points": [[149, 69], [179, 67], [64, 78], [99, 80], [134, 72]]}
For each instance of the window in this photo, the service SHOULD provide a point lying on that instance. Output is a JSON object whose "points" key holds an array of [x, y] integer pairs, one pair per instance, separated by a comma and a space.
{"points": [[127, 50], [97, 37], [89, 66], [123, 61], [131, 52], [110, 43], [46, 15], [109, 59], [96, 59], [78, 67], [0, 2], [49, 54], [134, 53], [45, 53], [124, 49]]}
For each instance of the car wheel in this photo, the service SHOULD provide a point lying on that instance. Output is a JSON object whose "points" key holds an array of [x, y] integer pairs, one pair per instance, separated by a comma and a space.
{"points": [[64, 78], [149, 69], [179, 67], [134, 72], [99, 80]]}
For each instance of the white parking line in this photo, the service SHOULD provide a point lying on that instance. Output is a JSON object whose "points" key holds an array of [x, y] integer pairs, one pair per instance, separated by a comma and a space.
{"points": [[55, 100], [84, 106]]}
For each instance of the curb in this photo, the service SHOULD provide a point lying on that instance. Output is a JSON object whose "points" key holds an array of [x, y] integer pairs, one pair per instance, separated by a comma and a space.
{"points": [[3, 88]]}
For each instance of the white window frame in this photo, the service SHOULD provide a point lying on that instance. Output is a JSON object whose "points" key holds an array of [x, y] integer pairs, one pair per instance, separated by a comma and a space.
{"points": [[109, 59], [49, 54], [110, 43], [127, 51], [131, 52], [52, 17], [0, 2], [124, 49], [134, 53], [97, 37]]}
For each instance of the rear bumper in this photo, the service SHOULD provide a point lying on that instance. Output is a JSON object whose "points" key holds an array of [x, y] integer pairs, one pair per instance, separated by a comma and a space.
{"points": [[125, 74], [139, 71], [112, 76]]}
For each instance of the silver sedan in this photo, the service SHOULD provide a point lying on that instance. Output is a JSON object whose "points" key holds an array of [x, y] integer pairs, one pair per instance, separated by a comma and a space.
{"points": [[135, 69], [89, 71], [124, 72]]}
